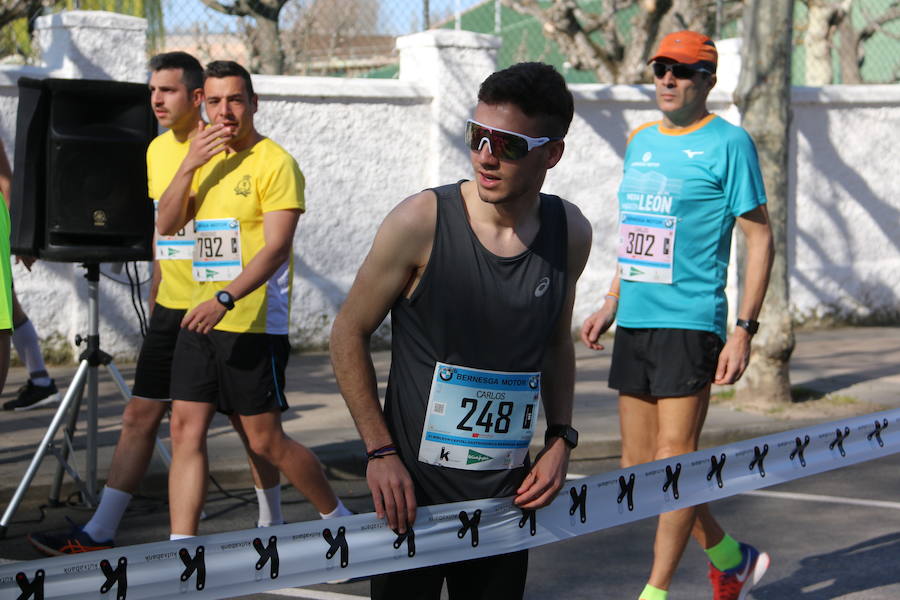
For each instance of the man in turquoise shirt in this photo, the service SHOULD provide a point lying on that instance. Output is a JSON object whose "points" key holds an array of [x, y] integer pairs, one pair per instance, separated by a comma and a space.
{"points": [[688, 178]]}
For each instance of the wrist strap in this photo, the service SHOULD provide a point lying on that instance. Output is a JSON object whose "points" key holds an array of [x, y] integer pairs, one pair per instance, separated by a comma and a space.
{"points": [[388, 450], [612, 294]]}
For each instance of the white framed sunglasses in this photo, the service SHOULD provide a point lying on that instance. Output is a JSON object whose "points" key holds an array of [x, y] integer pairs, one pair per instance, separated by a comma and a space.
{"points": [[503, 144]]}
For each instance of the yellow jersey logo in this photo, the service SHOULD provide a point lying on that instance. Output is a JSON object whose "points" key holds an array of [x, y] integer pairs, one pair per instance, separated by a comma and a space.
{"points": [[243, 186]]}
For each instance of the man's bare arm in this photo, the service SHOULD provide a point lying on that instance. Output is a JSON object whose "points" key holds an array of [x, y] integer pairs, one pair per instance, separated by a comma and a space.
{"points": [[176, 205], [398, 254], [278, 232], [548, 473], [735, 356]]}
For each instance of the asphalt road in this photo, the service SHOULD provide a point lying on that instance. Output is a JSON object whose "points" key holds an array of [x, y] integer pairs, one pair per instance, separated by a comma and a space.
{"points": [[831, 536]]}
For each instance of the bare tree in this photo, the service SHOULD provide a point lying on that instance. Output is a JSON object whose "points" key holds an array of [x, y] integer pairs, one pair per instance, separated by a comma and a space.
{"points": [[764, 97], [327, 32], [595, 40], [832, 20], [267, 55], [10, 10]]}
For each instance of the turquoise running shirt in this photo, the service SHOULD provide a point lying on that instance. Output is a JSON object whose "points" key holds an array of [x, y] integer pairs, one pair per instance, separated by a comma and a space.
{"points": [[680, 194]]}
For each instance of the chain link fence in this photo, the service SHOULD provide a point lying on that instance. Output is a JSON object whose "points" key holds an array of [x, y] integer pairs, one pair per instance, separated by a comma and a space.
{"points": [[836, 41]]}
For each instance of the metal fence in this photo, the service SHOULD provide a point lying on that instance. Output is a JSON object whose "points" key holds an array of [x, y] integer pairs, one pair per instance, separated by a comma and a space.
{"points": [[836, 41]]}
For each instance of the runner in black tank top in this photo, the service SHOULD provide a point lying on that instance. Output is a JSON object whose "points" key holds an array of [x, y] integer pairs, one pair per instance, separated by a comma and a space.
{"points": [[471, 308], [479, 279]]}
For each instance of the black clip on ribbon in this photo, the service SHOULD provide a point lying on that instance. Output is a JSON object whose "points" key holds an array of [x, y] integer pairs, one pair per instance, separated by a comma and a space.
{"points": [[876, 433], [34, 587], [626, 489], [799, 447], [672, 476], [197, 563], [115, 576], [839, 437], [716, 466], [267, 553], [337, 543], [758, 458], [579, 502], [410, 538], [530, 517], [469, 525]]}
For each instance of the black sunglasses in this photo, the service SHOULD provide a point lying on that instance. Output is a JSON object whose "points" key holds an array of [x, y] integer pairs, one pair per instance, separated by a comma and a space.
{"points": [[679, 70]]}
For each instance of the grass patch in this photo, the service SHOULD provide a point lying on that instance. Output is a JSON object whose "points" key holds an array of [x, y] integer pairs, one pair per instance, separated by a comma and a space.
{"points": [[802, 394], [842, 400], [724, 394]]}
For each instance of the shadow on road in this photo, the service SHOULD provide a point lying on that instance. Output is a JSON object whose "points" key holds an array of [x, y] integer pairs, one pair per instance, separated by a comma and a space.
{"points": [[865, 566]]}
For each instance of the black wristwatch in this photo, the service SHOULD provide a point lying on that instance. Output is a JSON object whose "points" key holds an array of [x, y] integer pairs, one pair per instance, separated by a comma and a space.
{"points": [[225, 299], [566, 432], [749, 324]]}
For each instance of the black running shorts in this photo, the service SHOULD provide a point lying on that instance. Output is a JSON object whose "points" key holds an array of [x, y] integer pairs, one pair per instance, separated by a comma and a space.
{"points": [[499, 577], [154, 366], [239, 373], [663, 363]]}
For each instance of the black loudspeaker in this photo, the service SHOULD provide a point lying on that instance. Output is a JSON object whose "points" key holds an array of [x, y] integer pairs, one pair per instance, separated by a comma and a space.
{"points": [[80, 173]]}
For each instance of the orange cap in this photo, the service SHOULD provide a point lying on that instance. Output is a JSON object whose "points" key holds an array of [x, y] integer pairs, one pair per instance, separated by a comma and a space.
{"points": [[687, 47]]}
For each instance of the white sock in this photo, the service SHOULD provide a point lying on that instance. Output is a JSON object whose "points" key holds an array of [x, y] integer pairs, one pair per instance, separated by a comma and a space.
{"points": [[269, 506], [339, 511], [179, 536], [28, 347], [105, 522]]}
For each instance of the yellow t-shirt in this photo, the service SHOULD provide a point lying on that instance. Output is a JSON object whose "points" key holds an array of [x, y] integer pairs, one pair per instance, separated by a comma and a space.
{"points": [[244, 186], [164, 156]]}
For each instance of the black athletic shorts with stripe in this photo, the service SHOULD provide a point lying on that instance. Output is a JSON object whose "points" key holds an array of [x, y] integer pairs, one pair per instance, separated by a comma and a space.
{"points": [[239, 373]]}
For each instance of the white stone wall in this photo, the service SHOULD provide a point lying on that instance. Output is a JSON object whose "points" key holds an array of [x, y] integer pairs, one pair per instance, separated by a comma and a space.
{"points": [[364, 145], [845, 217]]}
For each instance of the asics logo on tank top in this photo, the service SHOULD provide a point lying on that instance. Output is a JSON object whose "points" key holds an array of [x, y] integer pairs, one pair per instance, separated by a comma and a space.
{"points": [[542, 287]]}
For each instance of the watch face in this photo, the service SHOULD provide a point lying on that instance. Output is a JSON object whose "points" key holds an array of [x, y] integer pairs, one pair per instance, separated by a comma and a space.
{"points": [[225, 299]]}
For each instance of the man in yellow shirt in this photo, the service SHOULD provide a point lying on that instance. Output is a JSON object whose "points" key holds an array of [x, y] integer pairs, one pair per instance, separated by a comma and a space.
{"points": [[176, 93], [245, 195]]}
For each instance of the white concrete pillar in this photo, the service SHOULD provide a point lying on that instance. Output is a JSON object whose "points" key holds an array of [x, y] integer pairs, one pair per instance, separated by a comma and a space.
{"points": [[729, 68], [92, 44], [451, 64]]}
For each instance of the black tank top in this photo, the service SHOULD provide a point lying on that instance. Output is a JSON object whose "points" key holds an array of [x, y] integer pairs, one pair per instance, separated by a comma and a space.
{"points": [[475, 309]]}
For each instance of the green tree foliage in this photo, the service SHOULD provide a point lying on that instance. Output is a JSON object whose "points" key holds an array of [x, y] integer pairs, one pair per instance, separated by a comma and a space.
{"points": [[17, 19]]}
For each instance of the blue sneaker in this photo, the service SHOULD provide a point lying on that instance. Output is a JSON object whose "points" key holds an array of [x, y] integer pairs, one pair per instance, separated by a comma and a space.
{"points": [[75, 541]]}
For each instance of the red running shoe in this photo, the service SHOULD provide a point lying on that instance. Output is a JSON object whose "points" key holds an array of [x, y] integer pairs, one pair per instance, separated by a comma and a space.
{"points": [[736, 583]]}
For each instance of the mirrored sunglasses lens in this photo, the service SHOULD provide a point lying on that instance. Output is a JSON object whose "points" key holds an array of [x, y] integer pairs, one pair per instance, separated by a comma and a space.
{"points": [[508, 146], [502, 145], [474, 135]]}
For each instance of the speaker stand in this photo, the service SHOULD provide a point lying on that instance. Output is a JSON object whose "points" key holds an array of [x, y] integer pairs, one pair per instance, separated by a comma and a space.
{"points": [[86, 374]]}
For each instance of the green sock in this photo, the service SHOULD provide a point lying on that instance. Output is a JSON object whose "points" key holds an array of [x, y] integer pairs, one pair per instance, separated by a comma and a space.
{"points": [[726, 554], [652, 593]]}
